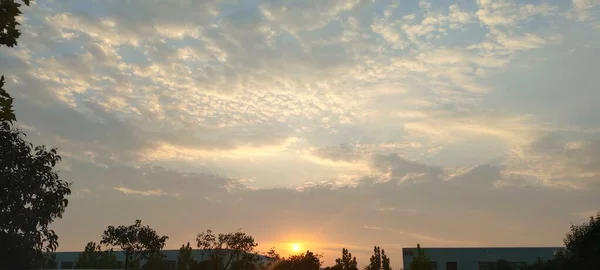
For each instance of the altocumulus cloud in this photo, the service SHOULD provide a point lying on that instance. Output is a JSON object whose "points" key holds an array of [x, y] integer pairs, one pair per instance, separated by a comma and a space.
{"points": [[342, 124]]}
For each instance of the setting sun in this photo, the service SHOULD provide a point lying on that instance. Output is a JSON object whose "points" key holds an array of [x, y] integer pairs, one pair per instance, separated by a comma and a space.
{"points": [[296, 247]]}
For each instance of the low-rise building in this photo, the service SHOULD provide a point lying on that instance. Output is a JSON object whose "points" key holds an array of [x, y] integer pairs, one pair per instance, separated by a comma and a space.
{"points": [[67, 260], [481, 258]]}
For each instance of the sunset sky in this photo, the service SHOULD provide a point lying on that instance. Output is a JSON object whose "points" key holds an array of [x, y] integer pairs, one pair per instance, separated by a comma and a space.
{"points": [[328, 124]]}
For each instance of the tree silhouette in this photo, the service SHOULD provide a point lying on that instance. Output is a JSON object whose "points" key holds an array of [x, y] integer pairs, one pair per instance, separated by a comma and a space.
{"points": [[6, 104], [420, 261], [31, 197], [378, 261], [185, 261], [231, 248], [306, 261], [137, 241], [272, 254], [31, 194], [375, 260], [94, 258], [385, 261], [346, 262], [582, 244], [272, 257], [9, 11], [559, 262], [156, 261]]}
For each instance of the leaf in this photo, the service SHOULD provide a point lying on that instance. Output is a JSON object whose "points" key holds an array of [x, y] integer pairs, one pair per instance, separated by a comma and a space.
{"points": [[9, 11], [6, 102]]}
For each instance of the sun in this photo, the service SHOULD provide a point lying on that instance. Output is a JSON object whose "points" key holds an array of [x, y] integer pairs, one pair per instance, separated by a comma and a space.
{"points": [[295, 247]]}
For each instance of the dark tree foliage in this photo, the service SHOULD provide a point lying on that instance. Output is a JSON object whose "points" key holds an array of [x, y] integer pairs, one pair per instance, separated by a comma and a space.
{"points": [[582, 249], [385, 261], [156, 261], [346, 262], [185, 261], [31, 194], [559, 262], [9, 11], [209, 265], [420, 261], [137, 241], [94, 258], [306, 261], [272, 254], [6, 101], [31, 197], [244, 265], [582, 244], [228, 249], [378, 261], [49, 261], [272, 258], [375, 260]]}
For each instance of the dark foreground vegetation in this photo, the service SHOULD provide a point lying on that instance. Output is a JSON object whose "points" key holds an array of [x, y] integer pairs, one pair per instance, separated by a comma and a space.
{"points": [[32, 196]]}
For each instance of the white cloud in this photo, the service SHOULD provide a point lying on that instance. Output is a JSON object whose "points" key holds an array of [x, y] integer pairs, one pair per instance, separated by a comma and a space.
{"points": [[585, 9], [152, 192], [507, 13]]}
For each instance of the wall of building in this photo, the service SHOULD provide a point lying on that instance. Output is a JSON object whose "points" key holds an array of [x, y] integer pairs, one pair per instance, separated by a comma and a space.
{"points": [[479, 258], [66, 260]]}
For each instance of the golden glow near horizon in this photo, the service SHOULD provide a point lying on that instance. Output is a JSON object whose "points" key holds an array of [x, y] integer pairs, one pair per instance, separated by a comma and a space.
{"points": [[295, 247]]}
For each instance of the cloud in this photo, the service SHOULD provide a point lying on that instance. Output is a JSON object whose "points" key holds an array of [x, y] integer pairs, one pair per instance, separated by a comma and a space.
{"points": [[344, 152], [506, 13], [144, 180], [153, 192], [555, 159], [587, 214], [439, 241], [293, 16], [400, 169], [584, 8]]}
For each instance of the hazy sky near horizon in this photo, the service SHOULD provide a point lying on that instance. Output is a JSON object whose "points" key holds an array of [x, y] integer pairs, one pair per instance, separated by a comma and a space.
{"points": [[333, 124]]}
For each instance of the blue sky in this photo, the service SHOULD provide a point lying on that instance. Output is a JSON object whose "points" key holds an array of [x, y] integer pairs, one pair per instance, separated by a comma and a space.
{"points": [[327, 123]]}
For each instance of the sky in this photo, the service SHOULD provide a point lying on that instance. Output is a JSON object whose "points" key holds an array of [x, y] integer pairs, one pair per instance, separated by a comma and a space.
{"points": [[329, 124]]}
